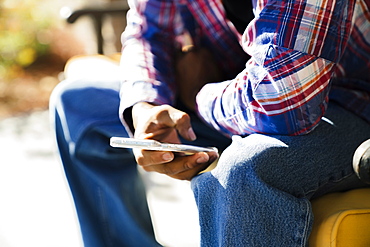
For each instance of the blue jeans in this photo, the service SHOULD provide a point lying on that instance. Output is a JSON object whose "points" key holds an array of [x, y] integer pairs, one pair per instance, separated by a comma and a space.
{"points": [[258, 195], [108, 192]]}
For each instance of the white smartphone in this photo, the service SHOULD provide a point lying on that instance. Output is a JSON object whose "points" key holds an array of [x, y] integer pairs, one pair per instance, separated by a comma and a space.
{"points": [[122, 142]]}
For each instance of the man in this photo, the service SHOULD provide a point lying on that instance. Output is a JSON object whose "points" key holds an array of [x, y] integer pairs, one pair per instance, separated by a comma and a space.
{"points": [[290, 87]]}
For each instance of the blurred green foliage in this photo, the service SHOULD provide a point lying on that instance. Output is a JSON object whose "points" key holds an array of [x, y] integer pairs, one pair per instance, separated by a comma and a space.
{"points": [[24, 34]]}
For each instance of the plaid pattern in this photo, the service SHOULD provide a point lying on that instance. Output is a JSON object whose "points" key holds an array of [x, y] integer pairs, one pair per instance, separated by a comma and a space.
{"points": [[301, 52]]}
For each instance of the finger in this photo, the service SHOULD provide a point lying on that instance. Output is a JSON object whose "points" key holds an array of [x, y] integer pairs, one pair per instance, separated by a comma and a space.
{"points": [[178, 165], [147, 158], [190, 173], [184, 167], [182, 124], [162, 126], [164, 118]]}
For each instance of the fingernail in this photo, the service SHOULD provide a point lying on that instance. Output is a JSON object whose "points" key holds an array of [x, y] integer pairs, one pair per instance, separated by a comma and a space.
{"points": [[167, 157], [192, 134], [202, 159]]}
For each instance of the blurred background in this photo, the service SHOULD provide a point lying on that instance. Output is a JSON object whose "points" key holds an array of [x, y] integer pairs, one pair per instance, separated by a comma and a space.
{"points": [[36, 208], [35, 43]]}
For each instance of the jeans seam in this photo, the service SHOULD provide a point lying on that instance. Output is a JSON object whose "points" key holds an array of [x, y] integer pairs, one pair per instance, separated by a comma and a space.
{"points": [[326, 182], [307, 223]]}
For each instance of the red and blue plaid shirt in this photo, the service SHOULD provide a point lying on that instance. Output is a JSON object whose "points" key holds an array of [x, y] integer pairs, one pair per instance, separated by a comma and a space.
{"points": [[302, 52]]}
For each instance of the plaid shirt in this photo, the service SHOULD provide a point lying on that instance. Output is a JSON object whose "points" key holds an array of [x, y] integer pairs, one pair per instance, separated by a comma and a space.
{"points": [[302, 52]]}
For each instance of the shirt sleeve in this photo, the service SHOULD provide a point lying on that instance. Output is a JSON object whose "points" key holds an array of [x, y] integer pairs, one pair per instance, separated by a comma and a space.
{"points": [[294, 46], [148, 53]]}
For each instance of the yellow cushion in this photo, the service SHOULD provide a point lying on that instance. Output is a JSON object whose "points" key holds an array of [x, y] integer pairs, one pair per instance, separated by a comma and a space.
{"points": [[342, 219]]}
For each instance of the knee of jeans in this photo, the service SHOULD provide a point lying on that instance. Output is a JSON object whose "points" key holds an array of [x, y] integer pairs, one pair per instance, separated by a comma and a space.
{"points": [[57, 104], [65, 89], [253, 159], [58, 94], [204, 184]]}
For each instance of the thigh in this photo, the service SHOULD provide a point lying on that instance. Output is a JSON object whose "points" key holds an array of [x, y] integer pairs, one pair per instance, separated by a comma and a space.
{"points": [[305, 166], [83, 103]]}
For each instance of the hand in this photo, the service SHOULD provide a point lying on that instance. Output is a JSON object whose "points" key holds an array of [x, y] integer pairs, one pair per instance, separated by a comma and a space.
{"points": [[194, 69], [165, 123]]}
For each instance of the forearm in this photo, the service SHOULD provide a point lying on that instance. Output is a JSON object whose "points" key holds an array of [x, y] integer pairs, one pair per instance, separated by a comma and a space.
{"points": [[284, 87], [286, 106], [148, 55]]}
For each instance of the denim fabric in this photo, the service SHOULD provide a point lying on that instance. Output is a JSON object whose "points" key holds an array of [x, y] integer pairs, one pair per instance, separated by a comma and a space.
{"points": [[107, 190], [258, 195]]}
